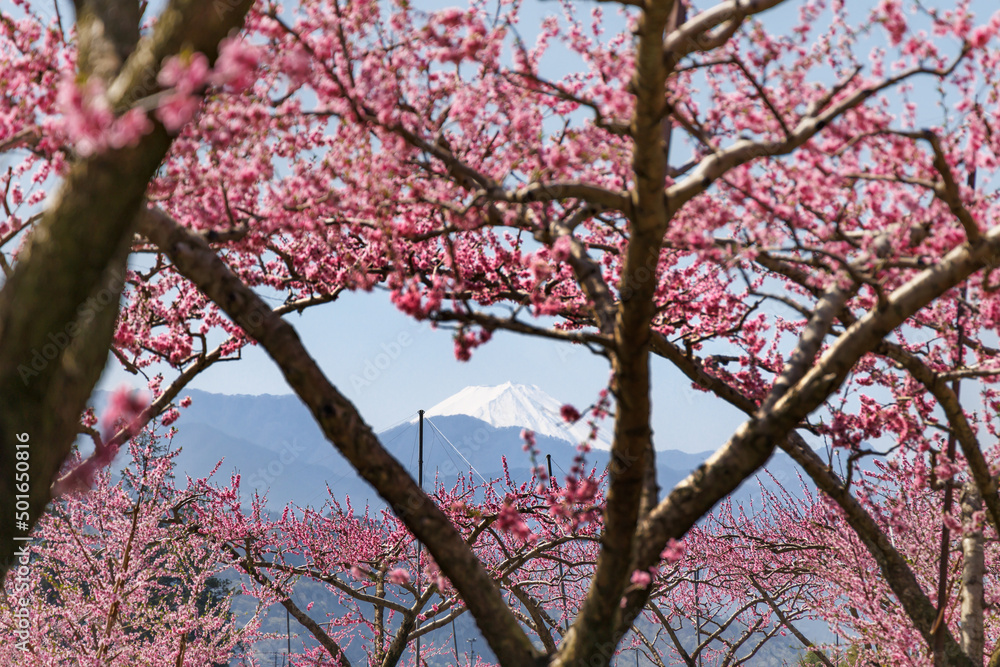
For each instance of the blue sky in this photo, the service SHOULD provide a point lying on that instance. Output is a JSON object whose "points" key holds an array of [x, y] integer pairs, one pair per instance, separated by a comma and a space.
{"points": [[391, 366]]}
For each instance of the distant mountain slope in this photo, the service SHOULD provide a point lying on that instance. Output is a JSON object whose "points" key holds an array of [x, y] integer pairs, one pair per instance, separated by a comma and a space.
{"points": [[455, 444], [277, 448]]}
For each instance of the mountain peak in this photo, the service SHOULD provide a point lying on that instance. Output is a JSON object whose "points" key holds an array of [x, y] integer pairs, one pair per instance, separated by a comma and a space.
{"points": [[520, 405]]}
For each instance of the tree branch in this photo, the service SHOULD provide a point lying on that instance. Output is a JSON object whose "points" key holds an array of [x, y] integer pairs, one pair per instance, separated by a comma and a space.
{"points": [[344, 428], [67, 262], [948, 400]]}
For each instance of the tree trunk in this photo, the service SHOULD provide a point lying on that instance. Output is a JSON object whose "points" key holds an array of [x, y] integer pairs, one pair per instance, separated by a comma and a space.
{"points": [[973, 566]]}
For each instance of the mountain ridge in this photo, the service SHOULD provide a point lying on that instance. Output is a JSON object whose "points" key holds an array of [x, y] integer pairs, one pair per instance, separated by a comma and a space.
{"points": [[277, 448]]}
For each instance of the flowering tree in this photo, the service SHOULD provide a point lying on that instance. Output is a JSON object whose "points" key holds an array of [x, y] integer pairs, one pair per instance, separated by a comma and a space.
{"points": [[115, 578], [905, 498], [766, 209], [389, 591], [740, 580], [59, 301]]}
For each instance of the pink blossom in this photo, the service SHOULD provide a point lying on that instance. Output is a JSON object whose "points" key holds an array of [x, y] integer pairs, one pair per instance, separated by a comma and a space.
{"points": [[981, 35], [297, 64], [641, 578], [674, 551], [169, 417], [562, 248], [176, 110], [399, 576], [509, 520], [123, 408], [893, 19], [946, 470], [569, 413], [953, 524], [466, 341], [236, 66], [123, 411], [185, 74], [434, 575], [581, 491], [129, 128], [89, 122], [450, 17]]}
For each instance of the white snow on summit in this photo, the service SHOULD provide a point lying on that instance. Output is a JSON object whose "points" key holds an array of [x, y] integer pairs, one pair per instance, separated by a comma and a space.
{"points": [[525, 406]]}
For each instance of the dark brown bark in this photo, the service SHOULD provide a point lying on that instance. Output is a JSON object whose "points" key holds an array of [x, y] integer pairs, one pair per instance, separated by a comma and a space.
{"points": [[592, 640], [57, 308], [107, 33]]}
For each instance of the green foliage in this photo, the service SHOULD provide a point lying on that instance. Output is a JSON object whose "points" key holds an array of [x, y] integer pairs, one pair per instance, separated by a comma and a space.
{"points": [[847, 658]]}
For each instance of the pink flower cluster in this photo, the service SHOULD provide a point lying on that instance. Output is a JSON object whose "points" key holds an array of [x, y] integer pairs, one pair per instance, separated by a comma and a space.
{"points": [[509, 520], [674, 552], [981, 35], [467, 340], [236, 66], [123, 412], [90, 124], [643, 578], [187, 74], [399, 576], [569, 413]]}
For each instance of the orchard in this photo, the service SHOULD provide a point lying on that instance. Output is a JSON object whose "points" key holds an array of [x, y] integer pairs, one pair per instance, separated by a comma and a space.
{"points": [[790, 203]]}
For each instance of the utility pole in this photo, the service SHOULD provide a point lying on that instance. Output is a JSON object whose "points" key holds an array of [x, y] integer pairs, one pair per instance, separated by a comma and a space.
{"points": [[288, 637], [697, 613], [420, 456], [562, 578], [420, 483]]}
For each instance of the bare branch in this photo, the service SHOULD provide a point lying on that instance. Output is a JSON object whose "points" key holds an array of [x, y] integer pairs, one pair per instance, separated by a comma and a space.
{"points": [[696, 34]]}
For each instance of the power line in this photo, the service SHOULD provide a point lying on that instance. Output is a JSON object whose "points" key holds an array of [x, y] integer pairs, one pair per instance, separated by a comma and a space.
{"points": [[456, 450]]}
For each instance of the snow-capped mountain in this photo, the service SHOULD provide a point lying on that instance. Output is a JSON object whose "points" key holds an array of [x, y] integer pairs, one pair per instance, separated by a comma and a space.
{"points": [[277, 448], [524, 406]]}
